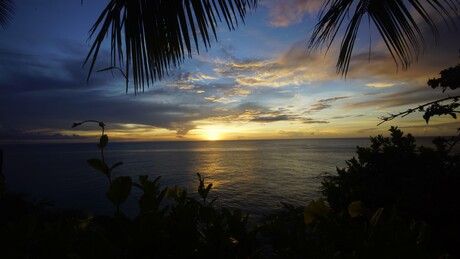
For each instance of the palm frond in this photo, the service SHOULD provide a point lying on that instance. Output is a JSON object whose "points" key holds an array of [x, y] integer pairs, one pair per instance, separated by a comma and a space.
{"points": [[152, 36], [393, 20], [6, 11]]}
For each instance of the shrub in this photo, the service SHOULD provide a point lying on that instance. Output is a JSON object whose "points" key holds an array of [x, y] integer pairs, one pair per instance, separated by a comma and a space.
{"points": [[420, 183]]}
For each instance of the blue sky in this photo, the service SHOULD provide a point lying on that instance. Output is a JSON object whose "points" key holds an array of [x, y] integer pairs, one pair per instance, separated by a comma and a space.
{"points": [[257, 82]]}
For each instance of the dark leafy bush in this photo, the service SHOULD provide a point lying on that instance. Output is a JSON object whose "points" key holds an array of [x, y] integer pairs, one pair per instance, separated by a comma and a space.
{"points": [[186, 228], [317, 231], [420, 183]]}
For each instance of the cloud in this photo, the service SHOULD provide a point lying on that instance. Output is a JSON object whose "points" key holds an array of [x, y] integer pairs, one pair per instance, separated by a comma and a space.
{"points": [[251, 112], [380, 84], [31, 100], [296, 134], [413, 95], [340, 117], [236, 91], [325, 104], [421, 129], [215, 99], [214, 91], [17, 135], [273, 118], [201, 77], [313, 121], [182, 129], [294, 67], [288, 12]]}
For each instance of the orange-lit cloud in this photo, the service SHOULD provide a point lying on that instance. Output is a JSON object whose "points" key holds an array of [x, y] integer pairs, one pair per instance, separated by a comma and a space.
{"points": [[380, 84], [295, 67], [288, 12], [215, 99]]}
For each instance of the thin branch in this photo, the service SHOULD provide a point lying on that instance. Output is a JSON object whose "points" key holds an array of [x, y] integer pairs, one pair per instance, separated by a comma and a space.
{"points": [[418, 108]]}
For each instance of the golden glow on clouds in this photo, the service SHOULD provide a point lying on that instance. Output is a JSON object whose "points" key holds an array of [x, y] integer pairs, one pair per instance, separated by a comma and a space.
{"points": [[201, 76], [380, 84], [215, 99], [211, 131], [212, 136], [287, 12], [294, 67]]}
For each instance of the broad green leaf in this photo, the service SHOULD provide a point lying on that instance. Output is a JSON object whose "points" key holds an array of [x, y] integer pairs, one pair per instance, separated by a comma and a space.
{"points": [[173, 192], [319, 207], [143, 179], [99, 165], [314, 210], [356, 209], [149, 187], [119, 190]]}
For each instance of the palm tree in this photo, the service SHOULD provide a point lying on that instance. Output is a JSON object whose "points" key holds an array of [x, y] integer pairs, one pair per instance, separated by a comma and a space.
{"points": [[393, 19], [151, 36], [6, 10]]}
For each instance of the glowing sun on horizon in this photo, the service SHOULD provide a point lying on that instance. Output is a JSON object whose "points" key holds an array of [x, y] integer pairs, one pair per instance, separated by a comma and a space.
{"points": [[212, 136]]}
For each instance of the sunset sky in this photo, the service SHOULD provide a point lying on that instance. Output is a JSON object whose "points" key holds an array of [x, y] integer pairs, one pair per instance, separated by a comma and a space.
{"points": [[257, 82]]}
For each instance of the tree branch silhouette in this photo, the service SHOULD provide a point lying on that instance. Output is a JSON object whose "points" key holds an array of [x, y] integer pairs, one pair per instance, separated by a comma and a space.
{"points": [[436, 109]]}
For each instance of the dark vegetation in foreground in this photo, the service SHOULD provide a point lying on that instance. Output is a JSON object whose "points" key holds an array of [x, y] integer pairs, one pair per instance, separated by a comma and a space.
{"points": [[396, 200]]}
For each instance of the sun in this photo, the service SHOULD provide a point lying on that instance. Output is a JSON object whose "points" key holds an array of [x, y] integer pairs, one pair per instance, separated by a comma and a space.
{"points": [[211, 133], [212, 136]]}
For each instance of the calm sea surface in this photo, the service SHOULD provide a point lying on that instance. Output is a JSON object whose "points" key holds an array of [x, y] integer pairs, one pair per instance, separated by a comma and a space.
{"points": [[254, 176]]}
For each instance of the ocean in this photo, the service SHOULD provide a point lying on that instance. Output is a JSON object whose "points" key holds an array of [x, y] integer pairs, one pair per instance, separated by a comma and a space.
{"points": [[254, 176]]}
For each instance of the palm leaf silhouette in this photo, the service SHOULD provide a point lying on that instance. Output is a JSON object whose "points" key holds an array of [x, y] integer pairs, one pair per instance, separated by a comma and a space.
{"points": [[6, 11], [393, 19], [148, 37]]}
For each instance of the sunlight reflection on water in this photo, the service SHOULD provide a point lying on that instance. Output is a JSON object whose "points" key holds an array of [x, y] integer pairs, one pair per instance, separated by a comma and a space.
{"points": [[254, 176]]}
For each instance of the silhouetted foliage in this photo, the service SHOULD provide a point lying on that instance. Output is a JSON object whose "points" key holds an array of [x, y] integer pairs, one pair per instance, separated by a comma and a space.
{"points": [[150, 37], [2, 177], [395, 21], [420, 183], [6, 11], [450, 78], [318, 231]]}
